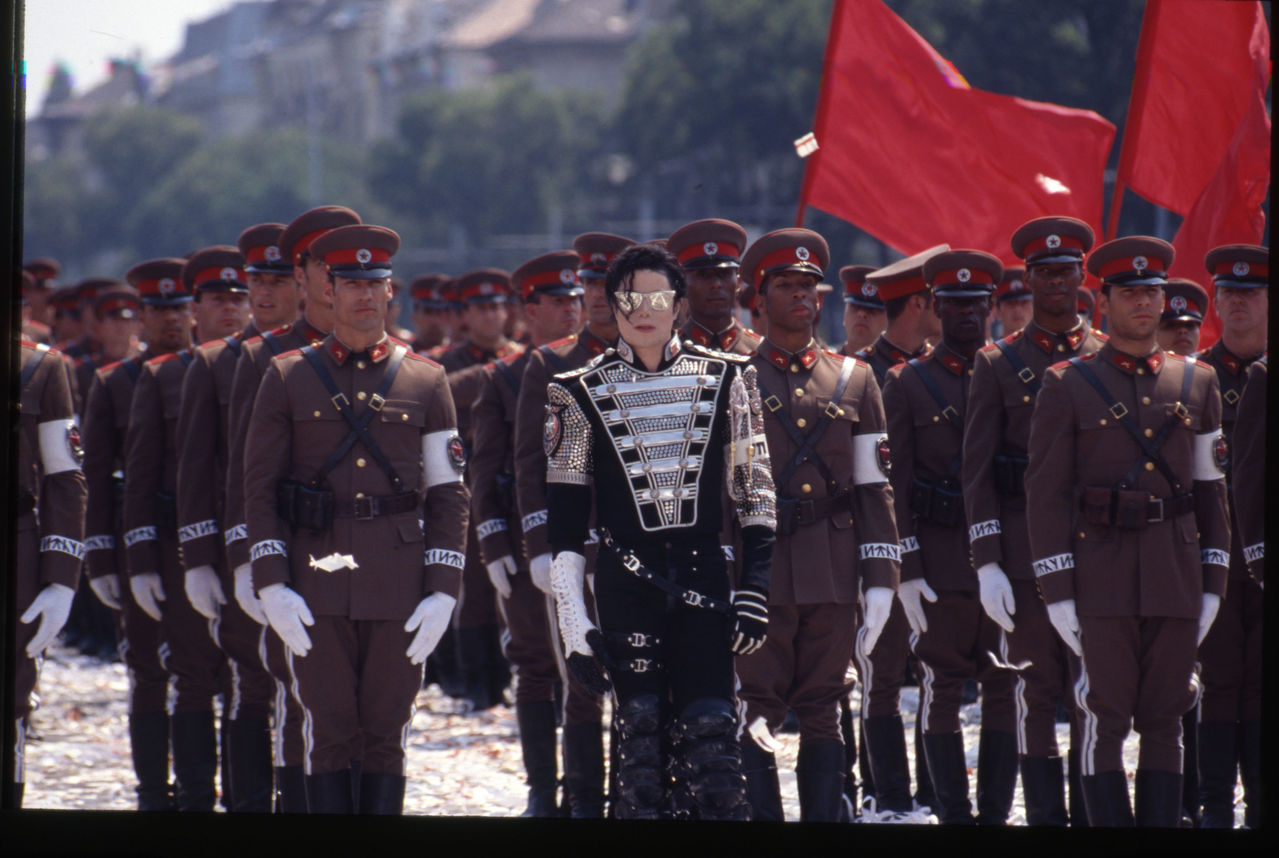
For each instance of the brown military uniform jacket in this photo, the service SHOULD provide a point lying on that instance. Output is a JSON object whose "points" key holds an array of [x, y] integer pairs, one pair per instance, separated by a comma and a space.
{"points": [[820, 562], [250, 366], [106, 419], [1076, 442], [735, 339], [1248, 453], [492, 463], [997, 423], [530, 416], [203, 418], [925, 444], [151, 460], [465, 367], [1231, 375], [50, 483], [882, 356], [399, 558]]}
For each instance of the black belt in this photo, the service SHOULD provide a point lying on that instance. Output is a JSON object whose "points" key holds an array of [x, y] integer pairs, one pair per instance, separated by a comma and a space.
{"points": [[373, 506], [1166, 509], [817, 509], [636, 567]]}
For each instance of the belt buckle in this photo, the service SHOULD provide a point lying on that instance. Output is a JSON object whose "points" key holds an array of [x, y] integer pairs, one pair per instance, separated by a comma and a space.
{"points": [[363, 504], [641, 665], [1026, 374], [631, 562], [1160, 502], [832, 410], [639, 640], [693, 599]]}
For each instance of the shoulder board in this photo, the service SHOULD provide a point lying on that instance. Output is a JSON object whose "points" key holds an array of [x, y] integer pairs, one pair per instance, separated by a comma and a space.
{"points": [[212, 345], [282, 330], [747, 332], [31, 344], [1013, 337], [111, 367], [289, 353], [1062, 364], [254, 339], [423, 358], [865, 352], [399, 341], [512, 357], [159, 359], [564, 341], [1101, 335], [988, 347], [732, 357]]}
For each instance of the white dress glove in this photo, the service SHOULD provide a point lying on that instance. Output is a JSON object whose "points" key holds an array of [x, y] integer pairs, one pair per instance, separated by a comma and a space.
{"points": [[997, 595], [500, 572], [107, 589], [879, 604], [1064, 619], [52, 605], [568, 572], [204, 591], [909, 592], [148, 592], [431, 621], [1208, 613], [244, 594], [287, 613], [540, 569]]}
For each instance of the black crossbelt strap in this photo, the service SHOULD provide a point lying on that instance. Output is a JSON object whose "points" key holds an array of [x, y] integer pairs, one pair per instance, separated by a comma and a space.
{"points": [[233, 343], [29, 368], [133, 368], [807, 444], [359, 425], [556, 361], [1025, 373], [947, 411], [508, 375], [1149, 446], [273, 343]]}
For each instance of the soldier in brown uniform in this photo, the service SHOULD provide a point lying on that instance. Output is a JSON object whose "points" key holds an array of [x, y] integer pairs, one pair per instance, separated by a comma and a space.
{"points": [[1230, 656], [43, 271], [710, 252], [864, 315], [553, 305], [152, 538], [429, 309], [1014, 302], [201, 501], [48, 526], [952, 637], [1007, 376], [484, 671], [65, 325], [166, 325], [1129, 531], [824, 423], [582, 708], [1249, 484], [276, 296], [1185, 303], [356, 513]]}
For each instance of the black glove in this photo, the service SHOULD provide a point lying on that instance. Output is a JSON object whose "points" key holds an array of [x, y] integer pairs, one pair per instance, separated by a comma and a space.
{"points": [[587, 670], [750, 621]]}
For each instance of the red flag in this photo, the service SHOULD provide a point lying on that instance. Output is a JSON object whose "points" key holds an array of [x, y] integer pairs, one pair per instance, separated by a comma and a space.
{"points": [[1229, 209], [914, 156], [1198, 64]]}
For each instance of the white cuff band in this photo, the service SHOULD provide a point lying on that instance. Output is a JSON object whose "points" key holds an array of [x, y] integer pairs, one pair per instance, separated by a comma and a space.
{"points": [[139, 534], [188, 532], [879, 551], [983, 528], [64, 545], [1056, 563], [445, 558]]}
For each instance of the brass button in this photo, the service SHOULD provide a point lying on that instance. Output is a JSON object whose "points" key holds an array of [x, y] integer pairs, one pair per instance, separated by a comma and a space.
{"points": [[360, 463], [1140, 371], [1145, 400], [1025, 398], [1081, 534], [403, 416], [937, 419], [361, 395], [799, 391], [315, 414], [794, 367], [801, 423], [805, 488], [359, 494], [839, 412], [1150, 433], [693, 552], [1187, 421], [1150, 466], [1103, 421], [1061, 348], [359, 364]]}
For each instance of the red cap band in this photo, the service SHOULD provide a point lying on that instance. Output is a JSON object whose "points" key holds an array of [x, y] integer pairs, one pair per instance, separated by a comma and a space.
{"points": [[1245, 269], [1128, 264], [484, 289], [562, 277], [784, 257], [966, 276], [1060, 243], [167, 286], [361, 256], [303, 244], [226, 272], [707, 249]]}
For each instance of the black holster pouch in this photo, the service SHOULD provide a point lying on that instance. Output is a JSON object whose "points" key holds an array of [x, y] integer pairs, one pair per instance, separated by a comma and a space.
{"points": [[1124, 508], [312, 508], [1095, 505], [1130, 508], [166, 512], [940, 502], [286, 492], [1010, 474], [787, 515]]}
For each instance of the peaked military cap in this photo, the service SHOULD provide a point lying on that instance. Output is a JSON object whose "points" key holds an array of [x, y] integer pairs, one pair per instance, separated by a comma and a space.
{"points": [[905, 276], [215, 269], [963, 273], [260, 247], [1184, 301], [710, 243], [299, 235], [358, 251], [1136, 260], [549, 274], [159, 282], [791, 249], [1239, 266], [1051, 240], [597, 250]]}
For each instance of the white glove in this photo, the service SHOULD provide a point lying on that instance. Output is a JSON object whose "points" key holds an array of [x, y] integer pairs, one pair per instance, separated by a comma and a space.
{"points": [[147, 591], [909, 592], [431, 620], [204, 591], [1208, 613], [287, 613], [568, 571], [244, 594], [879, 604], [500, 571], [997, 595], [540, 569], [52, 605], [107, 589], [1064, 619]]}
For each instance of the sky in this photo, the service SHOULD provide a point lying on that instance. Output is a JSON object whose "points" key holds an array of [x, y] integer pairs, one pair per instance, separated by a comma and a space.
{"points": [[86, 34]]}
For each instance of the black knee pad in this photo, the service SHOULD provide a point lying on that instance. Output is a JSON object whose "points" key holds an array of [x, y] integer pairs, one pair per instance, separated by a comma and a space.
{"points": [[639, 716], [641, 777], [708, 761]]}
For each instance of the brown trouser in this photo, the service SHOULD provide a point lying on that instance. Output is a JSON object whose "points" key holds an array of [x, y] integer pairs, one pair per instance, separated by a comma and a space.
{"points": [[1230, 657], [477, 603], [800, 666], [252, 687], [526, 640], [882, 671], [357, 687], [1047, 680], [956, 648], [1135, 671], [194, 659], [286, 733]]}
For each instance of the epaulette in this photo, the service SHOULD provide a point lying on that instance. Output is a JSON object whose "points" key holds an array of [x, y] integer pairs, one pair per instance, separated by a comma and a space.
{"points": [[111, 367], [287, 354], [416, 356], [759, 338], [213, 344], [589, 365], [865, 352], [1101, 335], [31, 344], [282, 330], [1062, 364], [511, 358], [563, 341], [159, 359], [257, 338], [716, 353]]}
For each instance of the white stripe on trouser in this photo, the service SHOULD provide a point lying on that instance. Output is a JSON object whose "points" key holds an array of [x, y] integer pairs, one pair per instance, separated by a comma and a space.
{"points": [[1020, 707], [1088, 729], [281, 701], [20, 751], [925, 686], [865, 670], [408, 725], [308, 735], [504, 641], [1199, 692]]}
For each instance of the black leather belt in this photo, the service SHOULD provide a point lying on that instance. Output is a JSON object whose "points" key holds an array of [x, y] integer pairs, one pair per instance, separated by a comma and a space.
{"points": [[373, 506], [816, 509], [636, 567], [1155, 509], [1163, 509]]}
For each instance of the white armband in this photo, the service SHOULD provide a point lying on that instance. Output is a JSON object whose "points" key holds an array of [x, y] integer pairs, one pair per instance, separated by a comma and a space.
{"points": [[1210, 456], [870, 458], [60, 445], [984, 528], [487, 528], [443, 457], [533, 519], [1056, 563]]}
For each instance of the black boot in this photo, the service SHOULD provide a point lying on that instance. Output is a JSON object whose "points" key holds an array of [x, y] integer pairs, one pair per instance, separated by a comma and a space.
{"points": [[1190, 814], [1158, 799], [1078, 806], [249, 746], [290, 790], [195, 760], [762, 788], [497, 668], [996, 776], [1218, 753], [149, 740], [885, 744], [381, 794], [864, 768], [924, 793], [707, 762], [1250, 771], [819, 776], [329, 793], [1044, 791], [1106, 796], [584, 770], [641, 773], [949, 771], [18, 788], [848, 732], [537, 742]]}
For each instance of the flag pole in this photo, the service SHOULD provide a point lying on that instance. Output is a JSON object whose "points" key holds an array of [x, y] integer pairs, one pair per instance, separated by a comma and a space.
{"points": [[1136, 105], [819, 120]]}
